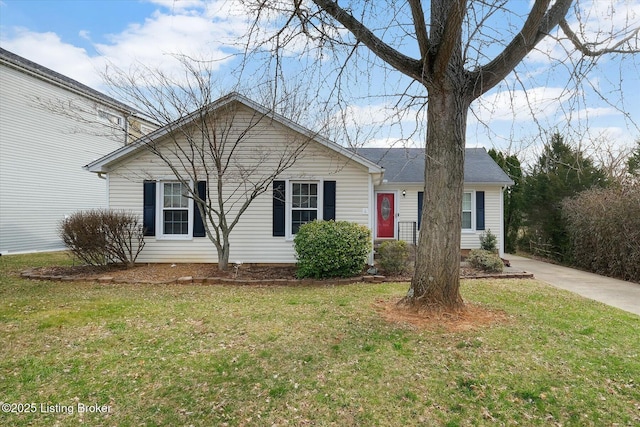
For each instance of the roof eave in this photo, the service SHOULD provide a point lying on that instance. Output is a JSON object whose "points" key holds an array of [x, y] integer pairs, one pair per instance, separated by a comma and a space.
{"points": [[500, 183], [43, 73]]}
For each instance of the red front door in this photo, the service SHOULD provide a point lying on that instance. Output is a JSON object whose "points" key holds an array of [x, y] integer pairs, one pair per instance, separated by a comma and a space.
{"points": [[386, 215]]}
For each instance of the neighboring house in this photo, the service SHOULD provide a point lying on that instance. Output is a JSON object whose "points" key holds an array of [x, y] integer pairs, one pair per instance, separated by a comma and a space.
{"points": [[327, 182], [51, 125]]}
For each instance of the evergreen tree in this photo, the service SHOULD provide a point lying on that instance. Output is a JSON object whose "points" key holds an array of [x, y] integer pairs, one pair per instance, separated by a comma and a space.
{"points": [[560, 172], [633, 163], [512, 197]]}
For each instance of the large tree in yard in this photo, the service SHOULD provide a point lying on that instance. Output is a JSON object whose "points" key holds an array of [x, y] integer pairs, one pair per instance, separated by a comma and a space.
{"points": [[449, 48]]}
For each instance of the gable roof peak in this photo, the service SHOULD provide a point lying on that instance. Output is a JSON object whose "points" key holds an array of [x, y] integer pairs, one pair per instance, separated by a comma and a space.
{"points": [[102, 165]]}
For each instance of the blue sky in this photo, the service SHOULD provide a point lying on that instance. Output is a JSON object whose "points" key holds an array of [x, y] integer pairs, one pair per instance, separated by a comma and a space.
{"points": [[77, 38]]}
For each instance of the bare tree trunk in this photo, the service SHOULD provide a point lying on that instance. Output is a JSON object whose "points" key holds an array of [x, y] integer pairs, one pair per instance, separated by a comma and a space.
{"points": [[436, 279], [223, 254]]}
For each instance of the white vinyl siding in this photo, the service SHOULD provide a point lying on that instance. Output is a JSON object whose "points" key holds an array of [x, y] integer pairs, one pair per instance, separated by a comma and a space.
{"points": [[492, 216], [41, 158], [408, 209], [251, 240]]}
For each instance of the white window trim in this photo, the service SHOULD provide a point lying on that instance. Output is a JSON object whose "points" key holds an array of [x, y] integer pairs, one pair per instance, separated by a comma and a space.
{"points": [[289, 202], [159, 213], [473, 211]]}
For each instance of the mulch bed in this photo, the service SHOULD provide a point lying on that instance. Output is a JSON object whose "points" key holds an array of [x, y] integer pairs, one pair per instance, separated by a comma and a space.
{"points": [[208, 273]]}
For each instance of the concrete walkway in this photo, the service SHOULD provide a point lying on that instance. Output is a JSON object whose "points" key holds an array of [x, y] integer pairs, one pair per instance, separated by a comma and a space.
{"points": [[613, 292]]}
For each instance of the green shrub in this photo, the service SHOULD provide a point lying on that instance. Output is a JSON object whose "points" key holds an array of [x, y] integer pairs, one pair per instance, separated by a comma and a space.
{"points": [[489, 241], [485, 260], [393, 256], [331, 249], [100, 237]]}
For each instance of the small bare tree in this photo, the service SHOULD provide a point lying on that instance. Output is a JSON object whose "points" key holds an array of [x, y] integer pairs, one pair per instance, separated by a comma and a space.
{"points": [[203, 138]]}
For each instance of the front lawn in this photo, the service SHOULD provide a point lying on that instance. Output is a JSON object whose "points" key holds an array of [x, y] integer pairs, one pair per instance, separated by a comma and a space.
{"points": [[76, 353]]}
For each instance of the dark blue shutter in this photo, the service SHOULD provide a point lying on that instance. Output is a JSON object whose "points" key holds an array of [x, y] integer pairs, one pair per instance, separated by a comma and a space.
{"points": [[479, 210], [198, 224], [329, 201], [279, 208], [149, 208], [420, 201]]}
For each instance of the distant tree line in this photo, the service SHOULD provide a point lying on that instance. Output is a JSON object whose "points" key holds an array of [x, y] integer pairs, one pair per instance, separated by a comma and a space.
{"points": [[569, 209]]}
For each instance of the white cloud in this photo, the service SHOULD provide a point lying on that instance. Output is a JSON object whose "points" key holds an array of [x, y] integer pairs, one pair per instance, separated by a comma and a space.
{"points": [[162, 34], [194, 28], [593, 112], [379, 114], [519, 105], [49, 50], [393, 143], [178, 5]]}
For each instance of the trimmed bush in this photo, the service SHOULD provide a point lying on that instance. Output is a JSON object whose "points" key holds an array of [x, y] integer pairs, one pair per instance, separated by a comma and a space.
{"points": [[100, 237], [393, 256], [489, 241], [331, 249], [485, 260]]}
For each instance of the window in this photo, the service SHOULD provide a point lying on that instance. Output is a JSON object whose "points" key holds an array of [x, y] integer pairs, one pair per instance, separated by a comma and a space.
{"points": [[169, 212], [175, 209], [304, 204], [298, 202], [109, 117], [467, 209]]}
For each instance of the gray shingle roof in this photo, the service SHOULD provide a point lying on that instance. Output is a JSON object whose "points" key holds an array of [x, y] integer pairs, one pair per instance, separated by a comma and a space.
{"points": [[407, 165], [18, 61]]}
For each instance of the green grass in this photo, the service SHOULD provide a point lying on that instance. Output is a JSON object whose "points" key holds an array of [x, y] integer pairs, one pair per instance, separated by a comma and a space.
{"points": [[210, 355]]}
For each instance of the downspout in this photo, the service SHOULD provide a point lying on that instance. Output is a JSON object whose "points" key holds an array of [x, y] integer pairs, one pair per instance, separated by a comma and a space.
{"points": [[370, 218], [503, 237], [101, 175], [126, 127]]}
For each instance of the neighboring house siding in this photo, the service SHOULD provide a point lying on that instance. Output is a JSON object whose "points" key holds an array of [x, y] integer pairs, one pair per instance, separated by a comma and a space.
{"points": [[252, 240], [41, 159]]}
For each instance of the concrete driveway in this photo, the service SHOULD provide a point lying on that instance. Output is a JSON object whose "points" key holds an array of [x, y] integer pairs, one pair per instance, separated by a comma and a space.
{"points": [[614, 292]]}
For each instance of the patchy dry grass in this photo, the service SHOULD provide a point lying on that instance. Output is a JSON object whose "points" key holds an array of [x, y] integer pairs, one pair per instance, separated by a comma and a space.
{"points": [[214, 355]]}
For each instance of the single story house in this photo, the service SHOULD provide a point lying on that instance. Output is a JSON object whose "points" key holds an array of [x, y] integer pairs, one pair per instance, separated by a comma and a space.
{"points": [[378, 188]]}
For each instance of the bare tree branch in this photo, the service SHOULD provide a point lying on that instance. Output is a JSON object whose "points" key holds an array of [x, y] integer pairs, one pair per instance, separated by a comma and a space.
{"points": [[420, 27], [587, 50], [450, 40], [539, 23], [403, 63]]}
